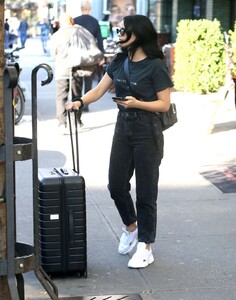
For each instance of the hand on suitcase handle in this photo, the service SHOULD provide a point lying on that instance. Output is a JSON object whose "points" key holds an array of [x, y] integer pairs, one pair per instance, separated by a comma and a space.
{"points": [[75, 108], [71, 104]]}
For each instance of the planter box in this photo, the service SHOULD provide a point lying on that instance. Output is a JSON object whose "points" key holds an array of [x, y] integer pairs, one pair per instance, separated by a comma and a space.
{"points": [[196, 113]]}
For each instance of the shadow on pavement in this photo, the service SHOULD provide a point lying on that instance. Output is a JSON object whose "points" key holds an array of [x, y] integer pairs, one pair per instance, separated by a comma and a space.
{"points": [[221, 127], [48, 159]]}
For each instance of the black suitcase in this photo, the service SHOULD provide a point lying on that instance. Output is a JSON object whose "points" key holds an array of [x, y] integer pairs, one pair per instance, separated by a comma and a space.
{"points": [[62, 218]]}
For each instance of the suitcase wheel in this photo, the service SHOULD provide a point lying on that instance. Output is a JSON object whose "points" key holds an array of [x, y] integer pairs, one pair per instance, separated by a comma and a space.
{"points": [[84, 274]]}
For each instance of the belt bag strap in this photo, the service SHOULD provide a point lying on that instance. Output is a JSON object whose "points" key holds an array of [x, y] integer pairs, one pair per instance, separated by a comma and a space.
{"points": [[126, 70]]}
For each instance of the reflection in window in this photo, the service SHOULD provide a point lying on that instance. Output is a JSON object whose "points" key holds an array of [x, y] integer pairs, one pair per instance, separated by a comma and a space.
{"points": [[160, 14], [196, 12], [199, 9]]}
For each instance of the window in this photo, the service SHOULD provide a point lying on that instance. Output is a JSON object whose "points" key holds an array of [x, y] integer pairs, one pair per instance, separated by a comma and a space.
{"points": [[199, 9], [160, 12]]}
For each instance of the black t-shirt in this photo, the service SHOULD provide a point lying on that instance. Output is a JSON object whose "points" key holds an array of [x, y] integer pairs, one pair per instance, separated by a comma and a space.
{"points": [[147, 77]]}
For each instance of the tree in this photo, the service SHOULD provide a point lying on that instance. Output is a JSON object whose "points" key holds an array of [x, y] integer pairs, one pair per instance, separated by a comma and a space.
{"points": [[4, 291]]}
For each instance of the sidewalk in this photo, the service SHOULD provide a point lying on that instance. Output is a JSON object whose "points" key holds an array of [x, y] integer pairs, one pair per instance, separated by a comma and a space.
{"points": [[196, 231]]}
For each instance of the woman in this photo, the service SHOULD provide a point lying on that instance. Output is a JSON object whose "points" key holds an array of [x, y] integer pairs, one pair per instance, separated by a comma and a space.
{"points": [[138, 139]]}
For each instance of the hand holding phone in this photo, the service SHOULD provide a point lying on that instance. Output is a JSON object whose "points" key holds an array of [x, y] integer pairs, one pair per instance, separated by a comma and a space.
{"points": [[119, 98]]}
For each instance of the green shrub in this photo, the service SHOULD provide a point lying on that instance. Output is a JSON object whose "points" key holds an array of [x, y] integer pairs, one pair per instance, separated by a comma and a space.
{"points": [[199, 56], [232, 45]]}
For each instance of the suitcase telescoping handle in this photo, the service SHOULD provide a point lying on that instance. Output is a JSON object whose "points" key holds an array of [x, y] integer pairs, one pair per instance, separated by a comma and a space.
{"points": [[76, 148]]}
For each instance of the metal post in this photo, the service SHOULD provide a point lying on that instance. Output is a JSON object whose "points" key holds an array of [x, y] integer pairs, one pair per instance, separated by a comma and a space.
{"points": [[47, 283], [20, 258], [234, 79], [10, 81]]}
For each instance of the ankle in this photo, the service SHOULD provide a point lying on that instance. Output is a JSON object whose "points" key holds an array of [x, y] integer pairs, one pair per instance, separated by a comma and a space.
{"points": [[131, 228]]}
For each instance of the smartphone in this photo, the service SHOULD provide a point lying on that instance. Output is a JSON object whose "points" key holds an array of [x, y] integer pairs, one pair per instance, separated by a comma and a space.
{"points": [[119, 98]]}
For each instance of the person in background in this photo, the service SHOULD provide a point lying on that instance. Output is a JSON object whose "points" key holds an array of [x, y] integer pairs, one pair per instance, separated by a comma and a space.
{"points": [[65, 77], [22, 30], [6, 25], [7, 31], [55, 25], [12, 39], [44, 33], [92, 25], [138, 140]]}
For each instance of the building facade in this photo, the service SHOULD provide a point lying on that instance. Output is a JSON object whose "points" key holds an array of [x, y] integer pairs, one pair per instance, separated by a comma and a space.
{"points": [[165, 14]]}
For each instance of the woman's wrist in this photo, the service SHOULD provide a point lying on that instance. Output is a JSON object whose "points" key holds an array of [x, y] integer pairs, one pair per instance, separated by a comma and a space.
{"points": [[78, 101], [139, 103]]}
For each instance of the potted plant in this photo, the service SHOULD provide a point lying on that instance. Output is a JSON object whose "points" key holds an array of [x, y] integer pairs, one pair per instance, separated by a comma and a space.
{"points": [[200, 69]]}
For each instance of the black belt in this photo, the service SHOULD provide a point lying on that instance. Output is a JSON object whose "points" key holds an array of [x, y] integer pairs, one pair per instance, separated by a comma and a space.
{"points": [[131, 114], [134, 114]]}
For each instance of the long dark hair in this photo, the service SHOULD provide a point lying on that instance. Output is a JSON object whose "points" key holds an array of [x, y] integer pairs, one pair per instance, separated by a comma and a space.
{"points": [[146, 35]]}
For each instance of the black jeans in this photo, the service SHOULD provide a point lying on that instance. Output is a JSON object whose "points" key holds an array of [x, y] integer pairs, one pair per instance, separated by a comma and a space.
{"points": [[137, 146]]}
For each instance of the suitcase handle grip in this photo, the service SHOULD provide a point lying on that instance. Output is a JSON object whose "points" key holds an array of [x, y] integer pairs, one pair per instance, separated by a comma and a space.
{"points": [[64, 171]]}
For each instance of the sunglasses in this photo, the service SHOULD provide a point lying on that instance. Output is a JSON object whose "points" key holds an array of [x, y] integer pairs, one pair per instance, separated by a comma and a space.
{"points": [[121, 31]]}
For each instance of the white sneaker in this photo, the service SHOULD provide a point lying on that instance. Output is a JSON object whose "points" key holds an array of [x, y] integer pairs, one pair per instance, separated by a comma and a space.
{"points": [[141, 258], [128, 241]]}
